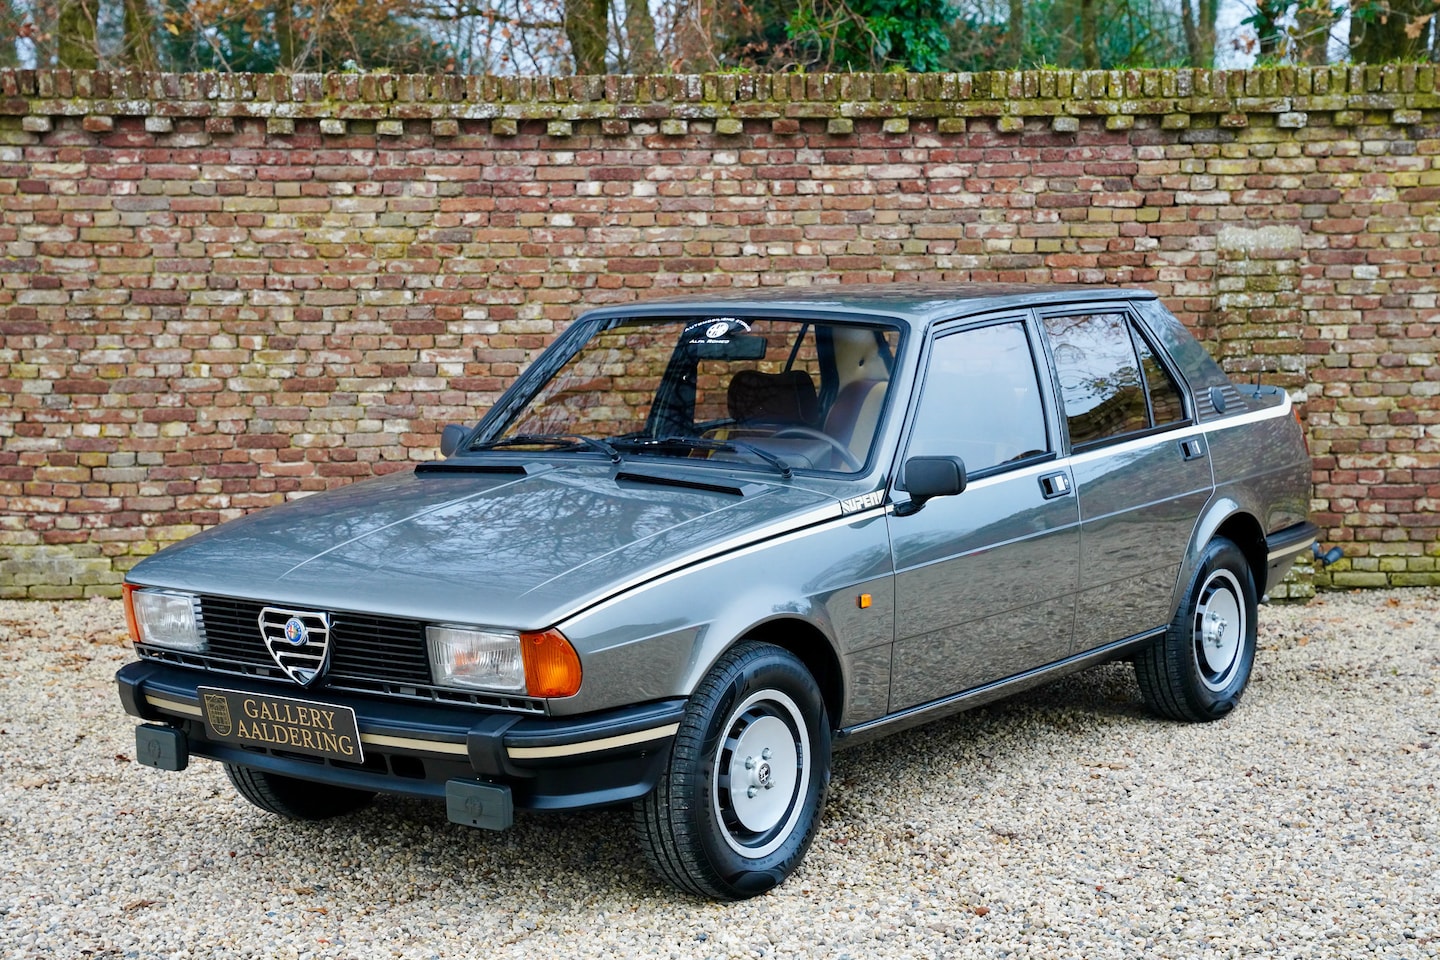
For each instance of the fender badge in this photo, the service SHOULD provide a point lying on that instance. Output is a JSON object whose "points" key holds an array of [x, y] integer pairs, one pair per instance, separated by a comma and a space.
{"points": [[864, 502]]}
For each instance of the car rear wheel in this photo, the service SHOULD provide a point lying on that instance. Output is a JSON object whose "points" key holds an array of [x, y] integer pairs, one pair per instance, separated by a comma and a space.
{"points": [[740, 801], [1199, 668], [292, 798]]}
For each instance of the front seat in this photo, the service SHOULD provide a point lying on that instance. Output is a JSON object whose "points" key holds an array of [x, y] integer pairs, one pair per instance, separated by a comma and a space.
{"points": [[855, 414], [773, 398], [864, 377]]}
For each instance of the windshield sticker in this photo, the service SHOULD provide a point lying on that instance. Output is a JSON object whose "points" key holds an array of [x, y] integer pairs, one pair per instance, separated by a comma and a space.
{"points": [[855, 504], [715, 330]]}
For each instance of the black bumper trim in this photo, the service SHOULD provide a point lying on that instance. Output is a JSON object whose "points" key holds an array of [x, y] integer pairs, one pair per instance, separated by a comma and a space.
{"points": [[551, 763], [1282, 549], [1290, 541], [581, 729]]}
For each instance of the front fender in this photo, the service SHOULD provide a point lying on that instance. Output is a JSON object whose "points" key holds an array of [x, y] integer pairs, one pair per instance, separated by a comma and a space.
{"points": [[659, 639]]}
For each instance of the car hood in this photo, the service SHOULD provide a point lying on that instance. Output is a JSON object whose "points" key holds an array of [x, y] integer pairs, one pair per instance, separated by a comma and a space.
{"points": [[521, 551]]}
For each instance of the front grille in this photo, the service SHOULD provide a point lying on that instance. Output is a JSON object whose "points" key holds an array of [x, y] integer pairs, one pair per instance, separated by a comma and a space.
{"points": [[368, 654], [387, 649]]}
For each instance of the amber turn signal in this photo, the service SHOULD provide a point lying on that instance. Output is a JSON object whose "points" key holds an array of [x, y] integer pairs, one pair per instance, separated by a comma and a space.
{"points": [[130, 623], [552, 667]]}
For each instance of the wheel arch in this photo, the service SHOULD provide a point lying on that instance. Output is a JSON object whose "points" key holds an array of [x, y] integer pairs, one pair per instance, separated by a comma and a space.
{"points": [[1243, 530], [1225, 517], [814, 649]]}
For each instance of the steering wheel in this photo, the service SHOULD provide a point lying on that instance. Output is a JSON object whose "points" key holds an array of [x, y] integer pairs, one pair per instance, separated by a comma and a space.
{"points": [[798, 430]]}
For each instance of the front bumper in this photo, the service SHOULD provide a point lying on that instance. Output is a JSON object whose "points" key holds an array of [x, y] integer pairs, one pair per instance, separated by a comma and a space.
{"points": [[416, 750]]}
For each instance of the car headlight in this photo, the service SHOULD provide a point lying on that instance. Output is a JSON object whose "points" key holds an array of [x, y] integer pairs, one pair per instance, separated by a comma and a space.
{"points": [[163, 619], [540, 664], [479, 659]]}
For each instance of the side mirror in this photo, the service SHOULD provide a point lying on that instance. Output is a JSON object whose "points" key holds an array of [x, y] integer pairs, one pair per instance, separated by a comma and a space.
{"points": [[451, 438], [927, 477]]}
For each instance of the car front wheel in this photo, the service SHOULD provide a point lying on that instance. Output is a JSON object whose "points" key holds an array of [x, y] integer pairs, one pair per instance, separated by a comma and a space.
{"points": [[1199, 668], [740, 801], [292, 798]]}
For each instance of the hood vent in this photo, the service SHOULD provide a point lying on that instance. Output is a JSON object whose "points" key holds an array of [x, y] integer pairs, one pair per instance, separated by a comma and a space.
{"points": [[480, 466], [733, 488]]}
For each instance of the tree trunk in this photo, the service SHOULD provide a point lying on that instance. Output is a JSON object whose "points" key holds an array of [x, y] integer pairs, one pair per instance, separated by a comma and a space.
{"points": [[139, 36], [9, 56], [640, 37], [1267, 26], [1015, 36], [694, 48], [285, 35], [587, 27], [1089, 43], [1192, 35], [1313, 21], [1209, 10], [1374, 41], [76, 29]]}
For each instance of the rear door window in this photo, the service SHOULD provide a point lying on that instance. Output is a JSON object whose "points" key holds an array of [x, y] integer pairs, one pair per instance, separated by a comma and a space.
{"points": [[1111, 382]]}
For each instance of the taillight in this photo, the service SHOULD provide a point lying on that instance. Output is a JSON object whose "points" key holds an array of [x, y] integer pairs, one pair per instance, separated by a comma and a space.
{"points": [[1304, 437]]}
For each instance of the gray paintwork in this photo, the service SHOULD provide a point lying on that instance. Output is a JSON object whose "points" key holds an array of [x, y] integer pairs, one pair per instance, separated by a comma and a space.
{"points": [[509, 551], [652, 583]]}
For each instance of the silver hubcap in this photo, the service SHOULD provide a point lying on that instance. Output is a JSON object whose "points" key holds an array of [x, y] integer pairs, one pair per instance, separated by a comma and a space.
{"points": [[761, 771], [1220, 629]]}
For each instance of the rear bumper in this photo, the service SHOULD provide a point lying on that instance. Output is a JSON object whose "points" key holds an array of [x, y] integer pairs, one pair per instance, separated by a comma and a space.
{"points": [[416, 749], [1284, 547]]}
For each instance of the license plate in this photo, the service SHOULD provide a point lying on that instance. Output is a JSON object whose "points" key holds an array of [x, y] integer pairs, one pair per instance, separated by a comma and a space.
{"points": [[281, 723]]}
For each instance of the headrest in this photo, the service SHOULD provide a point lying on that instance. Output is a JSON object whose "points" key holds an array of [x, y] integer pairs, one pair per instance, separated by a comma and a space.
{"points": [[779, 397], [857, 354]]}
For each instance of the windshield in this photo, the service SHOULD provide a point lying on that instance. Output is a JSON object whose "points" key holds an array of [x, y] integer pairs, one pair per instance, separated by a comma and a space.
{"points": [[781, 393]]}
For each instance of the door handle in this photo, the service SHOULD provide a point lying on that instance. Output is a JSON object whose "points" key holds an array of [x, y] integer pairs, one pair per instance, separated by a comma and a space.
{"points": [[1054, 485], [1192, 448]]}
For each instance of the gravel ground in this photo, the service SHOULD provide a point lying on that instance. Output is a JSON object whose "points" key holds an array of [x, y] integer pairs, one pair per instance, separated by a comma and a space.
{"points": [[1061, 823]]}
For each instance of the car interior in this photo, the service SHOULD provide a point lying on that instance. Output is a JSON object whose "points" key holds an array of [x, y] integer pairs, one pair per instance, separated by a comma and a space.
{"points": [[783, 412]]}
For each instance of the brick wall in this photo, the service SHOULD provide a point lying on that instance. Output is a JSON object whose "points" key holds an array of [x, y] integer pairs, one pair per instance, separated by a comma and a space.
{"points": [[221, 292]]}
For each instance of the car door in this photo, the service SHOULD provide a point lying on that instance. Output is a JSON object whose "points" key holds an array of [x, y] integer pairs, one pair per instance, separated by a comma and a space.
{"points": [[1141, 476], [985, 580]]}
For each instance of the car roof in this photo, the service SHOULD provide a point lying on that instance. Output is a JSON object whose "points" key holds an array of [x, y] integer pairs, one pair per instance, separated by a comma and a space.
{"points": [[918, 304]]}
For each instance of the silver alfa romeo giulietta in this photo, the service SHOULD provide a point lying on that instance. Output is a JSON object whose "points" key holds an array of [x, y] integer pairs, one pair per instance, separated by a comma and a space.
{"points": [[702, 542]]}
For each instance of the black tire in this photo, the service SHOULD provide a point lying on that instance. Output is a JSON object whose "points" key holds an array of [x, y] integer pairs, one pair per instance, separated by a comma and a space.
{"points": [[704, 836], [1199, 668], [295, 799]]}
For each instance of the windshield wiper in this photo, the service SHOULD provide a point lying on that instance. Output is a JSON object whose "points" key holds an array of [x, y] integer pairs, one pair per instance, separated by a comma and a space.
{"points": [[557, 439], [699, 443]]}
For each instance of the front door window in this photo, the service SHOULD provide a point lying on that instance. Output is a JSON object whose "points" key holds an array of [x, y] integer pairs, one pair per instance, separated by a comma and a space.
{"points": [[981, 400]]}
